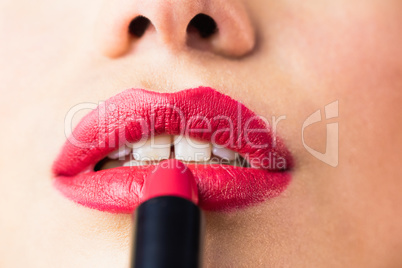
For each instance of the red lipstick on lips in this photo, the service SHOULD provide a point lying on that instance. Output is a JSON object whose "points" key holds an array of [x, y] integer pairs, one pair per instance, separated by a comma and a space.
{"points": [[201, 113]]}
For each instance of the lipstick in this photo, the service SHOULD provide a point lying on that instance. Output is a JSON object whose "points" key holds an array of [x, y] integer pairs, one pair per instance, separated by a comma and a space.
{"points": [[168, 220]]}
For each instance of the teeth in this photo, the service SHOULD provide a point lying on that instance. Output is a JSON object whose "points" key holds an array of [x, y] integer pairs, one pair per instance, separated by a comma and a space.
{"points": [[135, 163], [188, 149], [120, 153], [223, 153], [154, 149], [158, 148]]}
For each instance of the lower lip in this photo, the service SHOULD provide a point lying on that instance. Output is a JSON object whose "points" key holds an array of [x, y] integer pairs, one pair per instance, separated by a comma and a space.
{"points": [[221, 188]]}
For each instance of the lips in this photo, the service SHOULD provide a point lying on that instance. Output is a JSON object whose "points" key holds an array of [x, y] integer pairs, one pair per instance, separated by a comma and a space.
{"points": [[201, 113]]}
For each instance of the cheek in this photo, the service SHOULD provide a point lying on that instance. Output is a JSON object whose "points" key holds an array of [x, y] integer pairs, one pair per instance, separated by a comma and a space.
{"points": [[339, 46], [351, 53], [356, 54], [354, 57], [360, 63]]}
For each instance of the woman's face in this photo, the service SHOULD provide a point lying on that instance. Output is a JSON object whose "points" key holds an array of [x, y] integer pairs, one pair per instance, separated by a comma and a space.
{"points": [[281, 58]]}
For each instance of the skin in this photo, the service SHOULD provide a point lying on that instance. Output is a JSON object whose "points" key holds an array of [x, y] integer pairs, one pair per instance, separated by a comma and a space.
{"points": [[302, 56]]}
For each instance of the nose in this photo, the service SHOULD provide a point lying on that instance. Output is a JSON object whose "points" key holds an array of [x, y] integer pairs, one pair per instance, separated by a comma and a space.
{"points": [[219, 26]]}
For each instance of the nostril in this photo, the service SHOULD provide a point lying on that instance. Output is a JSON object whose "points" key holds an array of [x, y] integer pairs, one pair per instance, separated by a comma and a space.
{"points": [[138, 26], [203, 24]]}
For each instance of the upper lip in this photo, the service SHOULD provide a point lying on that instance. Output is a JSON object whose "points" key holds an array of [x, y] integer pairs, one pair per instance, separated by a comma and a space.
{"points": [[202, 113]]}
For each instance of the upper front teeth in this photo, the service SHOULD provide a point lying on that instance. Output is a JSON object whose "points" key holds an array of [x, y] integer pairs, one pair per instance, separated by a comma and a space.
{"points": [[188, 149], [120, 153], [154, 149], [224, 153], [167, 146]]}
